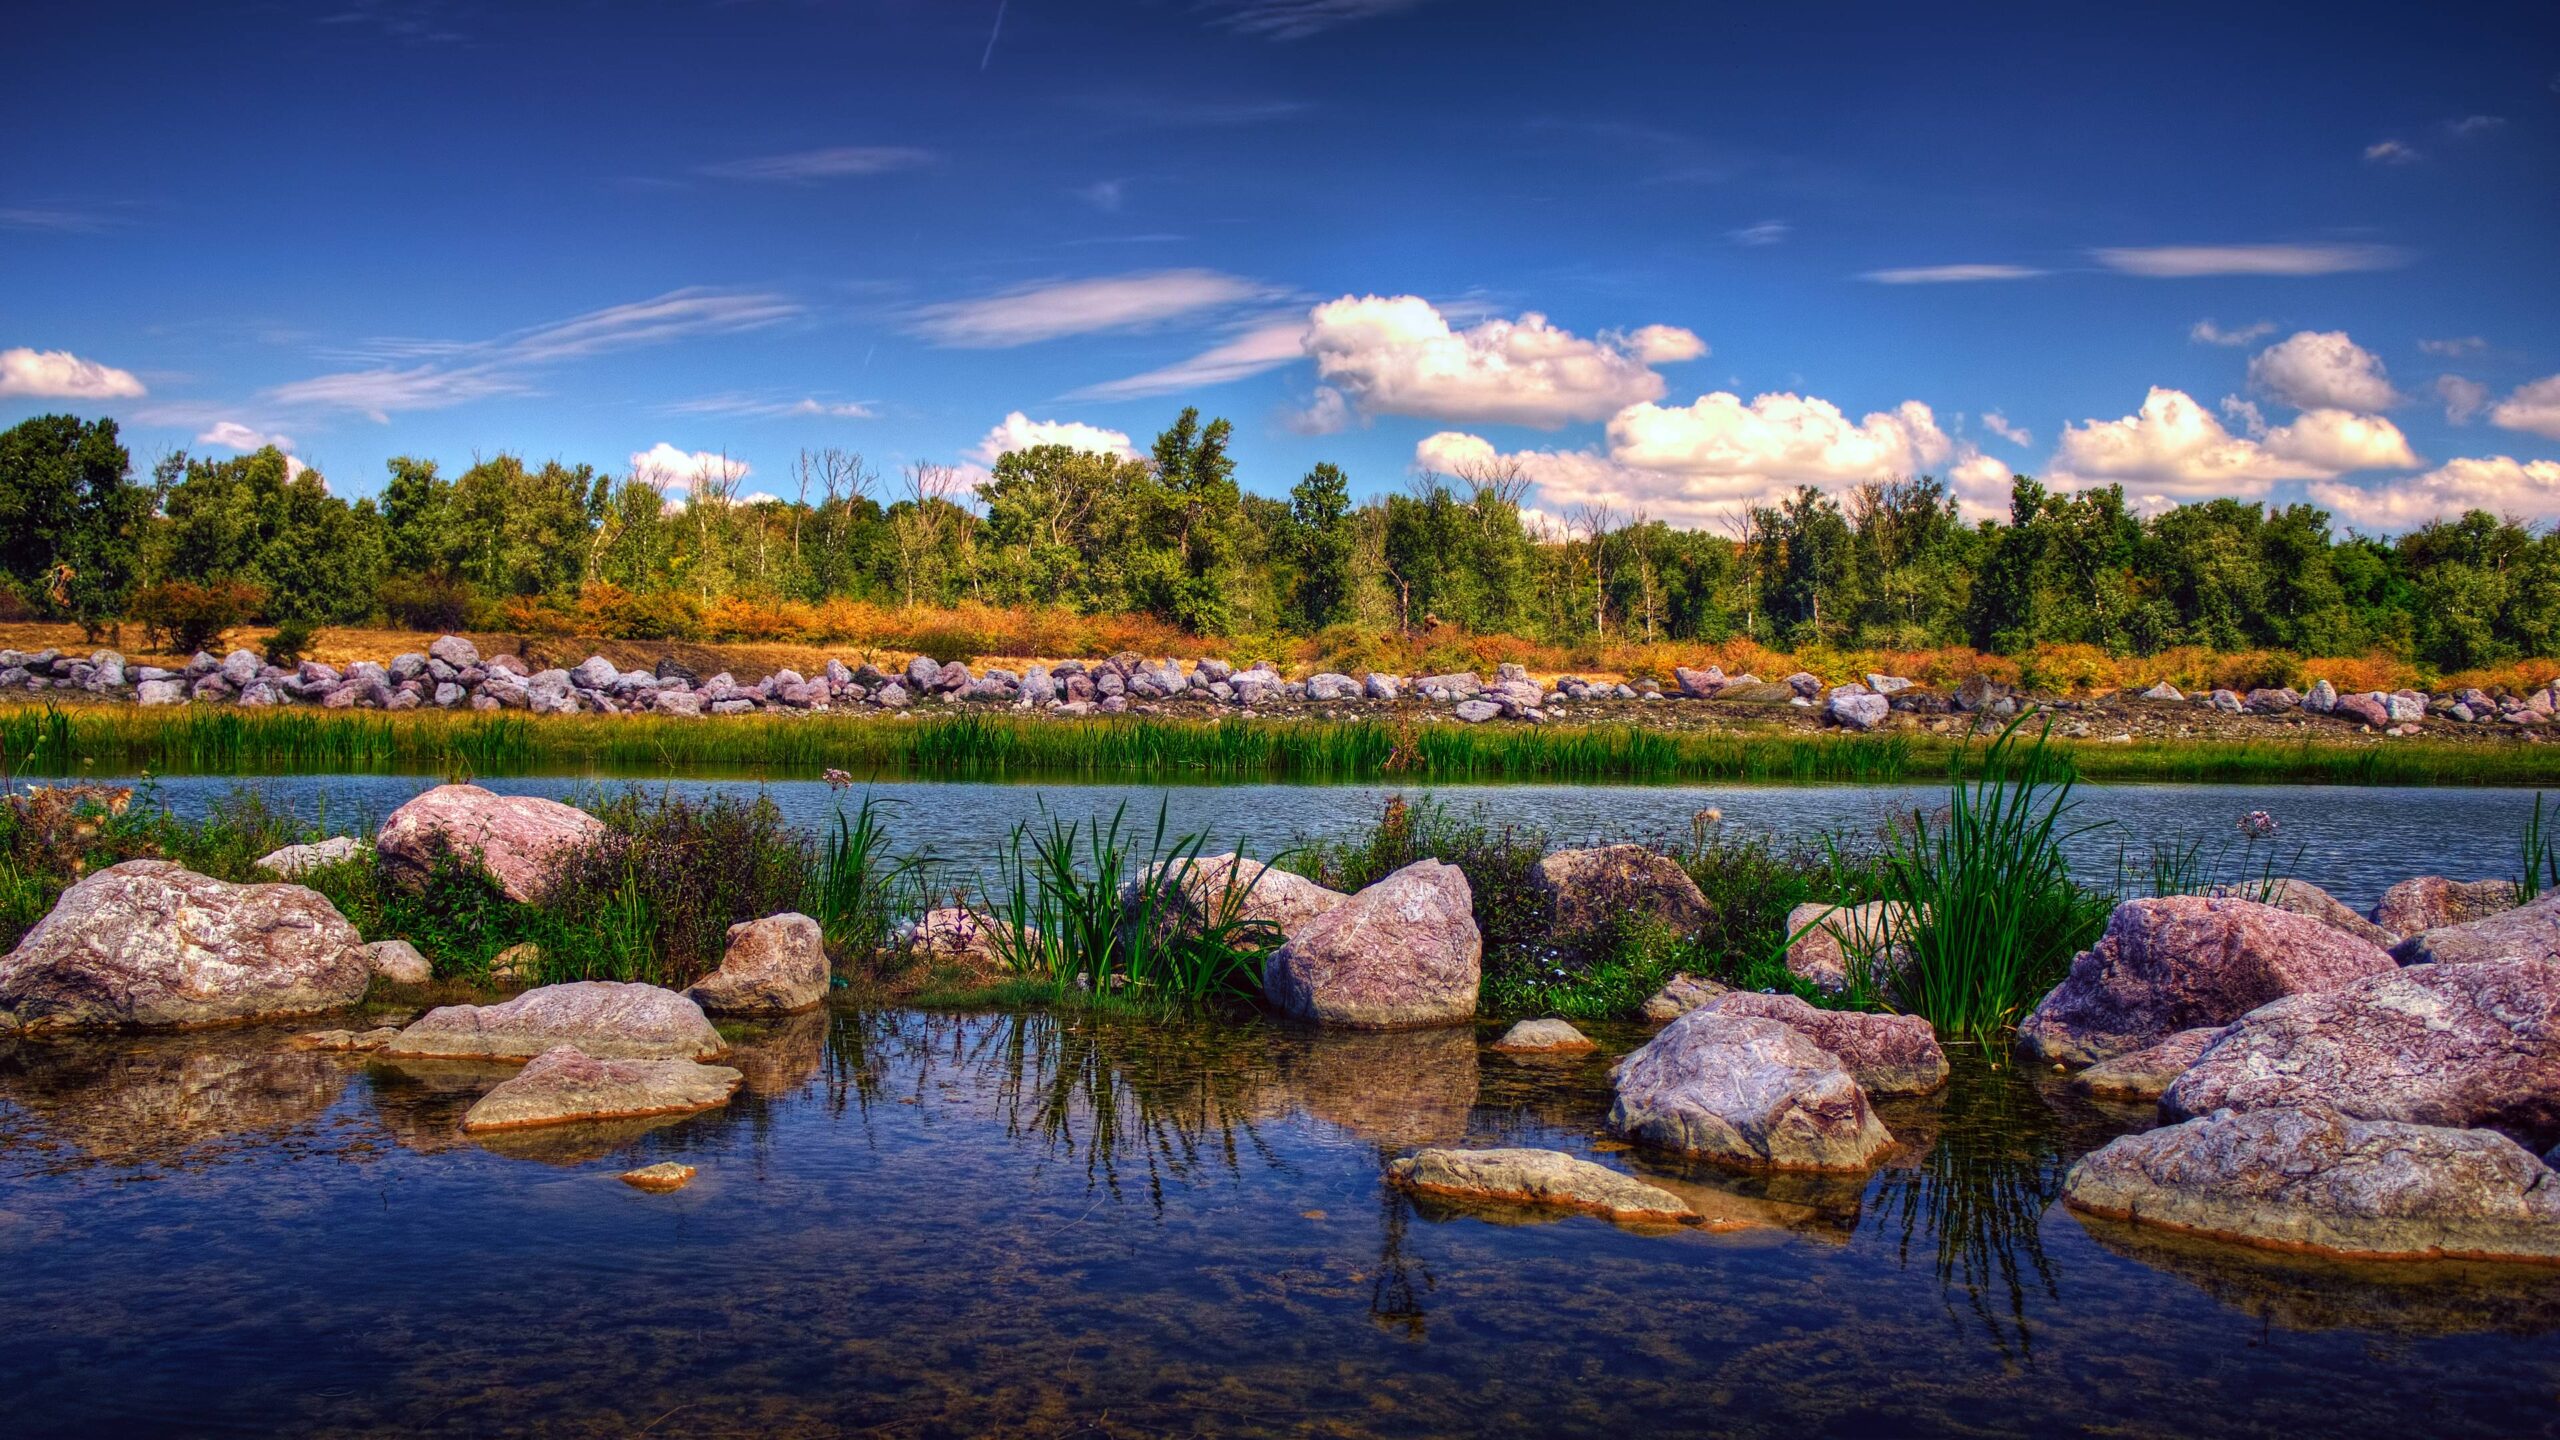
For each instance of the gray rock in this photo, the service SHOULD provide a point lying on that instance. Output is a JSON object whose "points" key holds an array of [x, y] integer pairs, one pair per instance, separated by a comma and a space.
{"points": [[1804, 682], [292, 860], [1747, 1091], [1533, 1037], [161, 692], [2322, 698], [1329, 687], [1858, 711], [2431, 902], [1887, 684], [399, 963], [1547, 1179], [2528, 932], [2164, 691], [1679, 995], [608, 1019], [773, 966], [456, 651], [1378, 686], [677, 702], [240, 667], [1402, 953], [1476, 712], [2145, 1074]]}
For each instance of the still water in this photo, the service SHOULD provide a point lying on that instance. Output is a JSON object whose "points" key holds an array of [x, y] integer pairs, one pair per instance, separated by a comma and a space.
{"points": [[919, 1224], [2354, 841]]}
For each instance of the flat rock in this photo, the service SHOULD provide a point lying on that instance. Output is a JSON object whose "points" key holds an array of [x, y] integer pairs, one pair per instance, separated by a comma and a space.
{"points": [[1276, 897], [2457, 1045], [292, 860], [773, 966], [660, 1178], [1531, 1037], [1542, 1178], [376, 1039], [2146, 1073], [2317, 1181], [1826, 936], [2431, 902], [1590, 891], [152, 945], [1402, 953], [564, 1085], [2301, 897], [397, 962], [608, 1019], [1679, 995], [1746, 1091], [2184, 961], [1886, 1054], [2528, 932], [519, 840]]}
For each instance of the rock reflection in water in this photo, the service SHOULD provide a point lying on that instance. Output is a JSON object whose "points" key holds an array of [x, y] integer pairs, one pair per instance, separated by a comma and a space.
{"points": [[1397, 1088], [2309, 1293], [158, 1099]]}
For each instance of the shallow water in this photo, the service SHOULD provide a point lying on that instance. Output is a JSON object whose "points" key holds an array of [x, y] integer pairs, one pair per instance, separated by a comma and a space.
{"points": [[2354, 841], [924, 1224]]}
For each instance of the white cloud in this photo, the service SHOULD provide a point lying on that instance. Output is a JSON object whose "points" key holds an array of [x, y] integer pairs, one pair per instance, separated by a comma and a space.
{"points": [[2323, 369], [2181, 262], [1018, 431], [1263, 347], [756, 407], [2463, 398], [1981, 484], [2176, 447], [1105, 195], [1033, 313], [377, 394], [669, 468], [1327, 413], [2499, 484], [1998, 424], [835, 163], [1949, 274], [2454, 345], [232, 435], [1399, 355], [2389, 152], [2205, 332], [2533, 408], [1298, 19], [2470, 125], [61, 375], [1767, 232]]}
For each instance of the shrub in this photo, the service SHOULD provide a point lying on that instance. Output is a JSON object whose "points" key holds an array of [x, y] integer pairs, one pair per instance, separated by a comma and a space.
{"points": [[188, 617], [290, 643], [621, 614], [425, 602]]}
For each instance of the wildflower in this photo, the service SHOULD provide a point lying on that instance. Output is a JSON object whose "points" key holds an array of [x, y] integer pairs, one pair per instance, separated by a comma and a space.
{"points": [[837, 779], [2257, 825]]}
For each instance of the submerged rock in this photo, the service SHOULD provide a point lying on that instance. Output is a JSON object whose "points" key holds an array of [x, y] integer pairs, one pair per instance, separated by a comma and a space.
{"points": [[2457, 1045], [1590, 891], [2144, 1074], [2185, 961], [519, 840], [2431, 902], [660, 1178], [1679, 995], [565, 1085], [152, 945], [2318, 1181], [359, 1040], [1746, 1091], [608, 1019], [1886, 1054], [1544, 1178], [1825, 937], [772, 966], [1531, 1037], [2528, 932], [1402, 953]]}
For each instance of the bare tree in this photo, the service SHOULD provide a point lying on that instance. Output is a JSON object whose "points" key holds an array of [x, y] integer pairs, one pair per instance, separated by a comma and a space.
{"points": [[929, 487], [1595, 519]]}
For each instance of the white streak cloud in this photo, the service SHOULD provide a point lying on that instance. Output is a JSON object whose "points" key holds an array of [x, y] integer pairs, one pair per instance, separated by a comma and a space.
{"points": [[2390, 152], [61, 375], [1263, 347], [2183, 262], [1032, 313], [835, 163], [1949, 274], [2323, 369], [1399, 355], [1998, 424], [1298, 19]]}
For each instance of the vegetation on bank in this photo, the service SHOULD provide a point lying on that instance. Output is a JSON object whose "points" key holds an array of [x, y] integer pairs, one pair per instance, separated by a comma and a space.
{"points": [[84, 740]]}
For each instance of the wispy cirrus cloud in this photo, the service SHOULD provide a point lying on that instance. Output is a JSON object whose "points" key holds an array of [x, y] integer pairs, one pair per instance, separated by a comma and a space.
{"points": [[57, 219], [446, 373], [2184, 262], [2391, 152], [1949, 274], [1265, 346], [805, 167], [767, 407], [1767, 232], [1054, 310], [1297, 19]]}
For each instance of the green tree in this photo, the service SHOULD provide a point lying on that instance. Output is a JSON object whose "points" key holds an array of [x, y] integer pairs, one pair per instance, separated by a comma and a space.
{"points": [[72, 522], [1326, 544]]}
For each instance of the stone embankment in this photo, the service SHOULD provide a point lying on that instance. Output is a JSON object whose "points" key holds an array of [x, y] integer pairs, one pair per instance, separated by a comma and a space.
{"points": [[452, 674]]}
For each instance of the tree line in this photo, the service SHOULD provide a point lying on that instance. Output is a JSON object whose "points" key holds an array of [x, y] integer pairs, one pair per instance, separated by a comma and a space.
{"points": [[1173, 535]]}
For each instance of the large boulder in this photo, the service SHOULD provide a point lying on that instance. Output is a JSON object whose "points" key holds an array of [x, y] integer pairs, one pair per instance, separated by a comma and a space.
{"points": [[2143, 1075], [2182, 961], [519, 840], [397, 962], [2431, 902], [1823, 937], [1403, 953], [1746, 1091], [1858, 710], [2528, 932], [1588, 891], [608, 1019], [1546, 1179], [2318, 1181], [1266, 893], [1886, 1054], [2301, 897], [564, 1085], [149, 944], [455, 651], [773, 966], [2460, 1045]]}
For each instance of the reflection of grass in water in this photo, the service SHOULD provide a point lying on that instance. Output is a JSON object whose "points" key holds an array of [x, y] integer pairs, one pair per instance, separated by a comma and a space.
{"points": [[1978, 1199]]}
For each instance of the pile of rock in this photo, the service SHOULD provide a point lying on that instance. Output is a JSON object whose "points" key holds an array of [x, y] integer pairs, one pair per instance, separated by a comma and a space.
{"points": [[2390, 711]]}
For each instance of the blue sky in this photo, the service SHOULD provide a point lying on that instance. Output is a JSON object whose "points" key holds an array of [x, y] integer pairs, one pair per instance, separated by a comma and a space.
{"points": [[1667, 259]]}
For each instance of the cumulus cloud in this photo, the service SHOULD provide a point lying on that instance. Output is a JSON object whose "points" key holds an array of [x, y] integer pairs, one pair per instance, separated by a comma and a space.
{"points": [[835, 163], [2463, 398], [2205, 332], [2323, 369], [2389, 152], [2533, 408], [1998, 424], [1327, 412], [669, 468], [1399, 355], [232, 435], [1263, 347], [1949, 274], [1018, 431], [2183, 262], [61, 375], [2176, 449], [2499, 484], [1029, 314]]}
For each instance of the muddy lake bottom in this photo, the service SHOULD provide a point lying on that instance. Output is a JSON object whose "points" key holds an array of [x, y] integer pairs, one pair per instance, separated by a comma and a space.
{"points": [[926, 1224]]}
